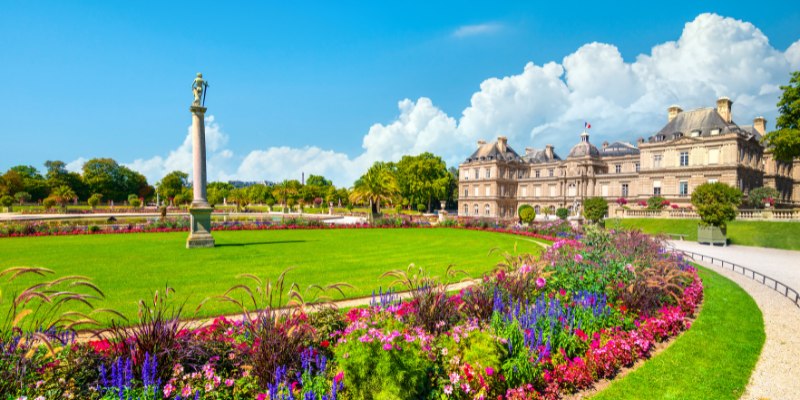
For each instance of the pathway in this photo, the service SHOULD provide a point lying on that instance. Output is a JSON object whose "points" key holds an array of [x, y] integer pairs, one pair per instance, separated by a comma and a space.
{"points": [[776, 374]]}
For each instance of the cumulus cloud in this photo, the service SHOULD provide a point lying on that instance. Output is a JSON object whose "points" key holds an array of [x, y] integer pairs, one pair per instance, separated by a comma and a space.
{"points": [[476, 30], [543, 104]]}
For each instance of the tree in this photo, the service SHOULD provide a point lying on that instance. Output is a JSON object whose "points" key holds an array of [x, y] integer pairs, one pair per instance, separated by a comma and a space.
{"points": [[317, 180], [57, 175], [595, 208], [218, 192], [526, 213], [716, 203], [32, 181], [785, 141], [423, 179], [757, 197], [562, 213], [376, 185], [656, 203], [287, 191], [63, 195], [11, 182], [94, 200], [172, 184], [22, 197], [6, 201], [113, 181], [48, 203]]}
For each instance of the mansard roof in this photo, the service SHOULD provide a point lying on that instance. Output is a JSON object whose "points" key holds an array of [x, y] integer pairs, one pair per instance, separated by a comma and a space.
{"points": [[494, 151], [619, 149], [535, 156], [702, 120]]}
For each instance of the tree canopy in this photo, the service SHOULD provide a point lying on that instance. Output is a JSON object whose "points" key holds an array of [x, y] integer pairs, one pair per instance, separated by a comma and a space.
{"points": [[423, 179], [595, 208], [785, 140], [376, 186], [716, 203]]}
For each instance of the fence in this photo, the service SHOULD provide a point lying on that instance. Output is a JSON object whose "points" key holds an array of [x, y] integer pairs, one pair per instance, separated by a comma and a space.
{"points": [[765, 280], [746, 215]]}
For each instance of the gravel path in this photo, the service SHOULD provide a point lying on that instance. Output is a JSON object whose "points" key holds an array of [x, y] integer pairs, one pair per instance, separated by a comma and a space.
{"points": [[777, 372]]}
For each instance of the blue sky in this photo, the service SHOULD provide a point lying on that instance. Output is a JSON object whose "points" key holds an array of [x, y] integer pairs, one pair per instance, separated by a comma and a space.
{"points": [[320, 87]]}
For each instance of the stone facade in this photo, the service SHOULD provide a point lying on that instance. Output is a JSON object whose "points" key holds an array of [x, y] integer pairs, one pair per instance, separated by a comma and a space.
{"points": [[693, 148]]}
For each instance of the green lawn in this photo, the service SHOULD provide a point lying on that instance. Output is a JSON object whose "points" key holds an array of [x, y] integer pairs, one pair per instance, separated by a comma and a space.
{"points": [[712, 360], [129, 267], [779, 235]]}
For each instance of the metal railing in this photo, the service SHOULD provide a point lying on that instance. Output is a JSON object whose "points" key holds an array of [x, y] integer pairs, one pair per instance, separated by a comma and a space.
{"points": [[765, 280]]}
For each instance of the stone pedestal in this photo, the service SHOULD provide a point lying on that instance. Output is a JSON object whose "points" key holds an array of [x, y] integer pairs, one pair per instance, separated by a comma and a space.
{"points": [[200, 229]]}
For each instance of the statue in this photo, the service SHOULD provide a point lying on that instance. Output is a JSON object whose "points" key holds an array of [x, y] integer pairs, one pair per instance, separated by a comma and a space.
{"points": [[199, 89]]}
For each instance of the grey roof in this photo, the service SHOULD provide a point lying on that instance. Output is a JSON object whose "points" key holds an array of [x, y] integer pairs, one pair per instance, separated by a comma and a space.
{"points": [[750, 129], [619, 149], [703, 120], [492, 151], [584, 148], [539, 157]]}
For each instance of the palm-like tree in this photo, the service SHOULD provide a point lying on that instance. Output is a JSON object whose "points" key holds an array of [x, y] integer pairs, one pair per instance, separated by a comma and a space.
{"points": [[285, 191], [378, 184], [62, 195]]}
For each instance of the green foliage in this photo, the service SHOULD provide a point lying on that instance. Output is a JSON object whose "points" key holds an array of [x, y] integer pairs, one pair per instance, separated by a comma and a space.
{"points": [[785, 141], [378, 185], [757, 196], [716, 203], [49, 203], [6, 201], [22, 197], [62, 195], [562, 213], [94, 200], [656, 203], [113, 181], [421, 207], [526, 213], [595, 208], [172, 184], [217, 192], [423, 179], [181, 199]]}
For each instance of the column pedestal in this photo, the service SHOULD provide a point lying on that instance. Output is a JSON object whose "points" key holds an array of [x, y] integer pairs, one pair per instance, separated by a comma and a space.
{"points": [[200, 229]]}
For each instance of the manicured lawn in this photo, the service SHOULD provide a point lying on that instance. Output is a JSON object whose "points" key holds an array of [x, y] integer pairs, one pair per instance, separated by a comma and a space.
{"points": [[779, 235], [712, 360], [129, 267]]}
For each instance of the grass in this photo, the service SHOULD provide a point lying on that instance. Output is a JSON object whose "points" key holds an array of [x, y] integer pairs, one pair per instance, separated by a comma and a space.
{"points": [[129, 267], [712, 360], [779, 235]]}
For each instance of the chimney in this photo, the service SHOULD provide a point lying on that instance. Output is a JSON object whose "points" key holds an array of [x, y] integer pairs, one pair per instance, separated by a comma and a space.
{"points": [[481, 142], [640, 140], [605, 144], [760, 125], [529, 150], [673, 112], [502, 143], [548, 151], [724, 109]]}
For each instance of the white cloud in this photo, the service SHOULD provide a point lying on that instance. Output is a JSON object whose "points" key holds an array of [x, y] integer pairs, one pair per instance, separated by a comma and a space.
{"points": [[76, 165], [476, 30], [543, 104]]}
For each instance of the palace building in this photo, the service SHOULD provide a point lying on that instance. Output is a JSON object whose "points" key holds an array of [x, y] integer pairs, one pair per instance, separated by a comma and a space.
{"points": [[694, 147]]}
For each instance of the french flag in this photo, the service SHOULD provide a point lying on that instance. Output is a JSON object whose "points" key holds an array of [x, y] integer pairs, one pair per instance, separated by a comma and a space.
{"points": [[587, 125]]}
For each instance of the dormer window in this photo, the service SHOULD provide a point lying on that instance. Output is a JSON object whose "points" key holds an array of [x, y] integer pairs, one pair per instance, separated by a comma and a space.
{"points": [[715, 132], [696, 133]]}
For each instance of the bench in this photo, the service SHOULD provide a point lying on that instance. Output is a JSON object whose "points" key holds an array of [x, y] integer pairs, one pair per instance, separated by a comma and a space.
{"points": [[679, 236]]}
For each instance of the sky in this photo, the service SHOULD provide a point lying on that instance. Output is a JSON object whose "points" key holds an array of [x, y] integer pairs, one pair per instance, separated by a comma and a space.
{"points": [[331, 87]]}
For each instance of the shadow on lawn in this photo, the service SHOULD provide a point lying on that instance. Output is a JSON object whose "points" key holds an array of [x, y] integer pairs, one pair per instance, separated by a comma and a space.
{"points": [[259, 243]]}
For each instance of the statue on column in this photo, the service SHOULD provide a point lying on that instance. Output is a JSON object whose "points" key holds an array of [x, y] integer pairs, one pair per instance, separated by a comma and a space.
{"points": [[199, 89]]}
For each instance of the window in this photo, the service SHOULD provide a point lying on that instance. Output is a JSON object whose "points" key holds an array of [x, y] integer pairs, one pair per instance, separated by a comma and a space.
{"points": [[552, 190], [624, 190], [713, 180], [656, 188], [537, 173], [466, 209], [637, 167], [572, 190], [476, 173], [657, 161], [488, 191], [524, 191], [695, 133], [604, 190], [520, 174], [536, 209], [488, 173], [466, 192], [683, 188], [715, 132], [618, 168], [488, 210], [477, 191], [477, 212], [537, 191], [550, 171], [713, 156], [684, 158], [466, 175]]}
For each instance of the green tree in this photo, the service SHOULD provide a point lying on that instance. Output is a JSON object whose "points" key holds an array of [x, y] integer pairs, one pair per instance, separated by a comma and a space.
{"points": [[595, 208], [49, 203], [173, 184], [94, 200], [22, 197], [526, 213], [562, 213], [656, 203], [113, 181], [423, 179], [318, 180], [757, 196], [377, 185], [63, 195], [785, 140], [11, 182], [716, 203], [57, 175], [287, 191], [218, 192], [6, 201], [32, 181]]}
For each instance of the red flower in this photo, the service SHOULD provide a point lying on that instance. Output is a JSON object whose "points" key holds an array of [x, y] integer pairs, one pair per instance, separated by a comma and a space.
{"points": [[325, 344]]}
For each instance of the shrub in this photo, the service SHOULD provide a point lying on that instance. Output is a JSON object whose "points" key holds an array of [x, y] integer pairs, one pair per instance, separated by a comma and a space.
{"points": [[656, 203], [49, 203], [94, 200], [421, 207], [716, 203], [562, 213], [6, 201], [435, 312], [22, 197], [526, 213], [758, 197], [135, 203], [595, 208]]}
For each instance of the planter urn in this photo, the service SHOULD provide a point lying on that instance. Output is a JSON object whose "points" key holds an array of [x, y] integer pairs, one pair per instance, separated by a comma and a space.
{"points": [[712, 235]]}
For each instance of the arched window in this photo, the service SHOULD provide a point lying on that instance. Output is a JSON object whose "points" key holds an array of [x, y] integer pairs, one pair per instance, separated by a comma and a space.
{"points": [[488, 210], [536, 209], [466, 209], [477, 210]]}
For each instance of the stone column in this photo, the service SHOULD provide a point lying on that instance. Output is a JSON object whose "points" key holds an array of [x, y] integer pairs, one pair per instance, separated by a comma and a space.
{"points": [[200, 210]]}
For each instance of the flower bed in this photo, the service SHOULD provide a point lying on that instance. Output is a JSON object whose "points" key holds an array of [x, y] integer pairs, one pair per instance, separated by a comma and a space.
{"points": [[533, 329]]}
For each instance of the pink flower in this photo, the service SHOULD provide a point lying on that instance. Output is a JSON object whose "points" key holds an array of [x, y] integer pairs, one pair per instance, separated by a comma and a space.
{"points": [[387, 346], [448, 389], [525, 268], [489, 371], [229, 382], [187, 391], [262, 396], [578, 258], [540, 282], [168, 389], [338, 377]]}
